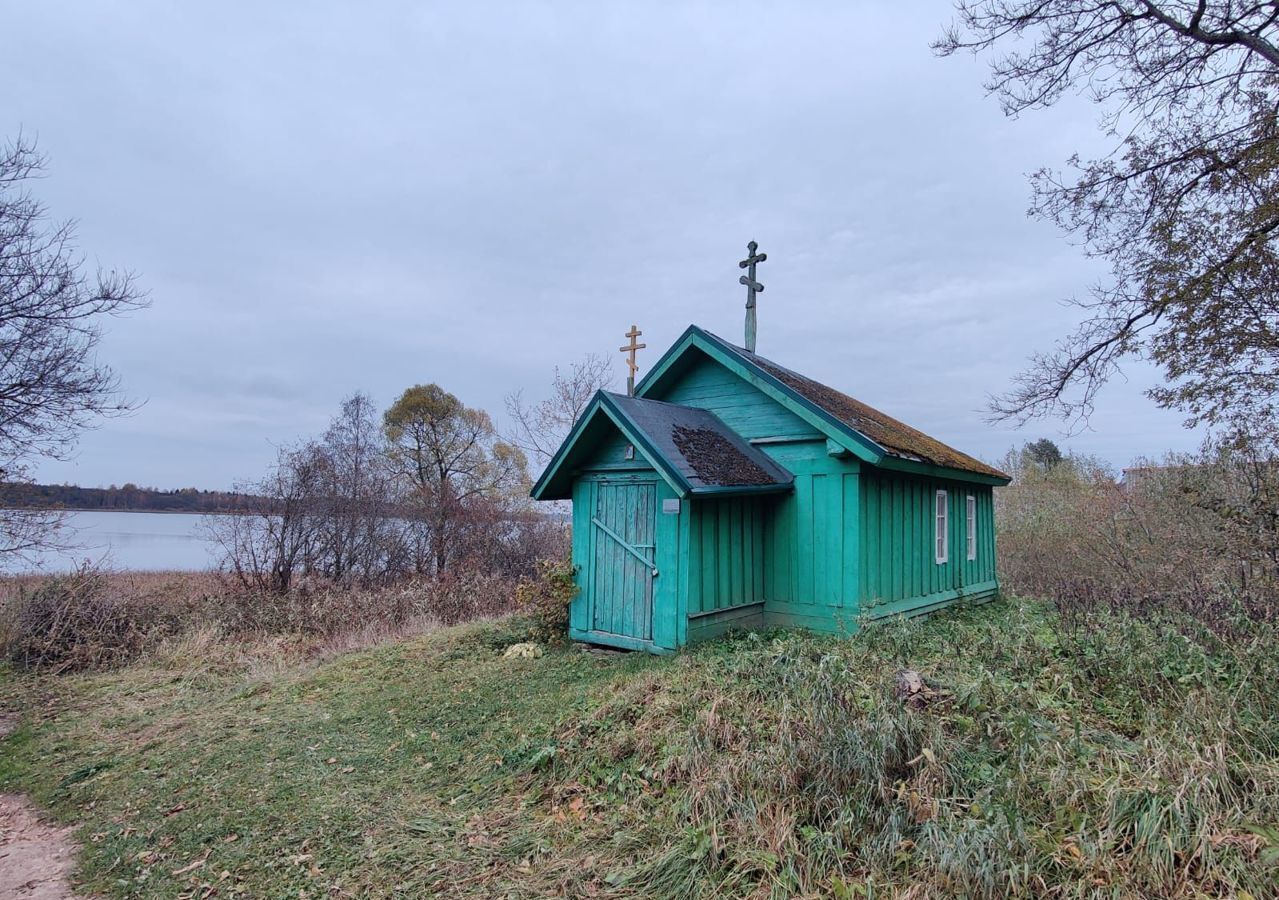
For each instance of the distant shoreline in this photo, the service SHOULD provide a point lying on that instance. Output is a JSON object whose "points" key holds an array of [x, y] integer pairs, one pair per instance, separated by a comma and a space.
{"points": [[127, 498], [150, 512]]}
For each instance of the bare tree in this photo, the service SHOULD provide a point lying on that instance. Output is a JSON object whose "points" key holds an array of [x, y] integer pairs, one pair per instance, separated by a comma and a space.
{"points": [[265, 549], [539, 428], [358, 539], [52, 385], [1185, 211]]}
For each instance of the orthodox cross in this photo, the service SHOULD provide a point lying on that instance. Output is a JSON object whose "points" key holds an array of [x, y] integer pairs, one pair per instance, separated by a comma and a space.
{"points": [[630, 361], [753, 287]]}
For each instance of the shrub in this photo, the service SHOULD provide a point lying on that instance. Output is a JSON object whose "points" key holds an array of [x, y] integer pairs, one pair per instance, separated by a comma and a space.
{"points": [[546, 598], [314, 608], [1193, 535], [74, 622], [454, 597]]}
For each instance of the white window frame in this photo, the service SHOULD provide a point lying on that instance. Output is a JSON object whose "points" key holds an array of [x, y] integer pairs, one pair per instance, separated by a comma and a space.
{"points": [[971, 521], [941, 527]]}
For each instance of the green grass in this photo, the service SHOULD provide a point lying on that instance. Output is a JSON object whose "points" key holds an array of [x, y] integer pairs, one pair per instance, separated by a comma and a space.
{"points": [[1119, 759]]}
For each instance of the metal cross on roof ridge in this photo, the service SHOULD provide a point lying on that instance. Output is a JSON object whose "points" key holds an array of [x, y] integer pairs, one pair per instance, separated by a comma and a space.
{"points": [[753, 287], [630, 361]]}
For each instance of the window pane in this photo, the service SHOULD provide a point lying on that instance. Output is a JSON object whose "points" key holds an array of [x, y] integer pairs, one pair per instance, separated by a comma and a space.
{"points": [[972, 527], [942, 531]]}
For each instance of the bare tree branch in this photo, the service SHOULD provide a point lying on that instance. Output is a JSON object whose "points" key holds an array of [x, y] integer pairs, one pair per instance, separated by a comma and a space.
{"points": [[52, 385], [1185, 212], [539, 428]]}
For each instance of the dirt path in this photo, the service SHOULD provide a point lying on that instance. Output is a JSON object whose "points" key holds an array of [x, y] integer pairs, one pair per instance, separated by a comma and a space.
{"points": [[36, 858]]}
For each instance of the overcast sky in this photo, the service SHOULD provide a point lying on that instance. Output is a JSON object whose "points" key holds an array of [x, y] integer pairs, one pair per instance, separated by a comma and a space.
{"points": [[323, 198]]}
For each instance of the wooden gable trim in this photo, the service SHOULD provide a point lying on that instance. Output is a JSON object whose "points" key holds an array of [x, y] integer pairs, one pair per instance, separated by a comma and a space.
{"points": [[851, 440], [601, 405]]}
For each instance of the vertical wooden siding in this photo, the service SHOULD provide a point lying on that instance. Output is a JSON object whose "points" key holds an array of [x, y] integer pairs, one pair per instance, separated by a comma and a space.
{"points": [[579, 610], [727, 557], [812, 542], [742, 406], [898, 551]]}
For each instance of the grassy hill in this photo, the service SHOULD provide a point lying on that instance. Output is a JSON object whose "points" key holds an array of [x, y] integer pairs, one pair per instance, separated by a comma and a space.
{"points": [[1100, 757]]}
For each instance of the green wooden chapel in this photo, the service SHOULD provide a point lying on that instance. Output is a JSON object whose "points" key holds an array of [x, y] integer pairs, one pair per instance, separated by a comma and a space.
{"points": [[731, 492]]}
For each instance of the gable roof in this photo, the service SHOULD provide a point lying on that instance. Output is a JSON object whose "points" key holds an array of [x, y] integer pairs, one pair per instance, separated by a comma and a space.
{"points": [[860, 429], [691, 448]]}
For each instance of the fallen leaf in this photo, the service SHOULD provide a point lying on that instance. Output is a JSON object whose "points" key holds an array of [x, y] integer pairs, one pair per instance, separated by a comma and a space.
{"points": [[193, 866]]}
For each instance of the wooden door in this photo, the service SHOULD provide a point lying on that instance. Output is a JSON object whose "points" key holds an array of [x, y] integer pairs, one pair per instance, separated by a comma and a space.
{"points": [[623, 529]]}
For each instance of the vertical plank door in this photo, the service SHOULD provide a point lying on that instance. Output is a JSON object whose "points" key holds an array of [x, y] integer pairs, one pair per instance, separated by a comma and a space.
{"points": [[623, 532]]}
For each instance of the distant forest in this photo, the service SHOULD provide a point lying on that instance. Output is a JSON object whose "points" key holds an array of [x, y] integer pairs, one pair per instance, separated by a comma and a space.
{"points": [[128, 497]]}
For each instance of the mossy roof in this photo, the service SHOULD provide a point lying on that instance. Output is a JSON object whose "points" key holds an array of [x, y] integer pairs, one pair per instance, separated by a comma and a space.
{"points": [[692, 448], [880, 434]]}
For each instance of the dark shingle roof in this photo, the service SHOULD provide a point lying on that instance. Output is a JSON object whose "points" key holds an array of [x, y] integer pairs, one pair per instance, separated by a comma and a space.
{"points": [[707, 453], [897, 438]]}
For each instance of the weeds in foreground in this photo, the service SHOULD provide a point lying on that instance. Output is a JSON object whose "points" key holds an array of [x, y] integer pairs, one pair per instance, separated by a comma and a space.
{"points": [[1125, 758], [1113, 758]]}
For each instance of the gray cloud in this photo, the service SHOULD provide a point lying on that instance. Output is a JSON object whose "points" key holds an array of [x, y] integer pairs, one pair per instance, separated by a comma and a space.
{"points": [[330, 197]]}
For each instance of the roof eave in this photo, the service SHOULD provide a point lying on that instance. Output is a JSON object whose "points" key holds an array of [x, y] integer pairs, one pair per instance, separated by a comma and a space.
{"points": [[548, 476], [781, 487], [678, 483], [915, 467]]}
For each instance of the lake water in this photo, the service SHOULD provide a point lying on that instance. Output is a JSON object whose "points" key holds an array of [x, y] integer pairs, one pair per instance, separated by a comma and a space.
{"points": [[133, 541]]}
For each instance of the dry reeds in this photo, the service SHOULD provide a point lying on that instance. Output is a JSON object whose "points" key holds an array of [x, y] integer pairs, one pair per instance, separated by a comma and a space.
{"points": [[94, 620]]}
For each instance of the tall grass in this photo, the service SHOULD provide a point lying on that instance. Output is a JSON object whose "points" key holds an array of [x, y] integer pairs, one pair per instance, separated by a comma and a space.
{"points": [[1113, 757], [92, 619], [1120, 759]]}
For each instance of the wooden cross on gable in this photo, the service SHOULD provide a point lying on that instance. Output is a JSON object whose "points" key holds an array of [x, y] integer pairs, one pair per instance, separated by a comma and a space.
{"points": [[630, 360], [753, 287]]}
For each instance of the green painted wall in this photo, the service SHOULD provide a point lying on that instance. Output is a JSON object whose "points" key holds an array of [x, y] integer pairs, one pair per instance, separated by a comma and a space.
{"points": [[612, 451], [727, 564], [744, 408], [899, 570], [810, 555], [813, 544]]}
